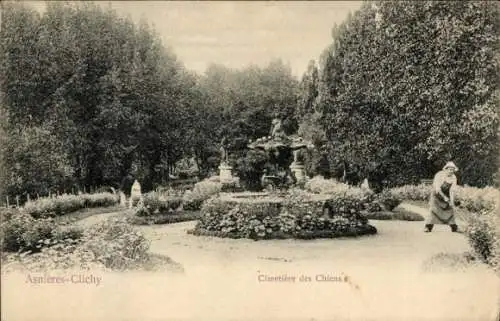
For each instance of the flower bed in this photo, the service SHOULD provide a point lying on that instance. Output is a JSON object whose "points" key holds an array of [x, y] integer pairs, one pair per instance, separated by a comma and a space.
{"points": [[161, 208], [20, 232], [42, 244], [168, 218], [64, 204], [295, 215]]}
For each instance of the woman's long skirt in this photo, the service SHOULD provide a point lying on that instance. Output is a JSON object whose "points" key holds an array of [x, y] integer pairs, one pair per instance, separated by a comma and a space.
{"points": [[440, 211]]}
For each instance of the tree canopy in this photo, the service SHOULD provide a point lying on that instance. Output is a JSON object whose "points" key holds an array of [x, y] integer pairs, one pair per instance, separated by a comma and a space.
{"points": [[406, 86]]}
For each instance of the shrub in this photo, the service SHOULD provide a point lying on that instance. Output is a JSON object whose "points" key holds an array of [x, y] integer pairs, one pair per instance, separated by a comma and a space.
{"points": [[100, 199], [43, 244], [116, 244], [64, 255], [343, 198], [64, 204], [476, 200], [250, 168], [412, 192], [388, 200], [192, 200], [23, 233], [299, 215], [157, 202], [484, 236], [7, 213], [399, 216], [163, 218], [320, 185]]}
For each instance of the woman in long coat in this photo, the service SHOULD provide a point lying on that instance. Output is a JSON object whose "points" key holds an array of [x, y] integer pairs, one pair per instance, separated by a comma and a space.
{"points": [[442, 198]]}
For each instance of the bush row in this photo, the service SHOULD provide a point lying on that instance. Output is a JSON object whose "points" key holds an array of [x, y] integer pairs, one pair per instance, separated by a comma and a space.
{"points": [[398, 215], [41, 244], [304, 235], [163, 201], [155, 202], [168, 218], [64, 204], [363, 197]]}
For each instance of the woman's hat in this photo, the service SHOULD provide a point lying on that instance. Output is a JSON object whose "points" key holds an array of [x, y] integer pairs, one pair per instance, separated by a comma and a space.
{"points": [[451, 165]]}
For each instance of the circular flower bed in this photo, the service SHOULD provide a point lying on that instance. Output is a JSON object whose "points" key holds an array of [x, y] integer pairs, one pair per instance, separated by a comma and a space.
{"points": [[297, 214]]}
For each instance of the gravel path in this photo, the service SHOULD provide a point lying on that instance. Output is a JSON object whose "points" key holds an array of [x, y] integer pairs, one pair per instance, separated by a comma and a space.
{"points": [[401, 273]]}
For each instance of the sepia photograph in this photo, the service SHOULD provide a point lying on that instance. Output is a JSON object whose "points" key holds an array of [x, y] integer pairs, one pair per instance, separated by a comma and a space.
{"points": [[250, 160]]}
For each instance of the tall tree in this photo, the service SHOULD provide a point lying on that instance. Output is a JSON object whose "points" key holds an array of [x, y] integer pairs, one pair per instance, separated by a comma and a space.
{"points": [[405, 85]]}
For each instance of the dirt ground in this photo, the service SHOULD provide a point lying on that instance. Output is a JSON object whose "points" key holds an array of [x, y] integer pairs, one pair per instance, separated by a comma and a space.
{"points": [[401, 273]]}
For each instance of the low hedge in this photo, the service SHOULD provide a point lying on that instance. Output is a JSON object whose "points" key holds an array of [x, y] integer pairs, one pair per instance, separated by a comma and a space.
{"points": [[304, 235], [396, 215], [157, 202], [168, 218], [64, 204], [356, 197], [419, 192], [476, 200]]}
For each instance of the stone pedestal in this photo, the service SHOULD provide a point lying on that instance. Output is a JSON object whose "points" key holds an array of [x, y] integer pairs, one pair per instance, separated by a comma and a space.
{"points": [[225, 175], [298, 171]]}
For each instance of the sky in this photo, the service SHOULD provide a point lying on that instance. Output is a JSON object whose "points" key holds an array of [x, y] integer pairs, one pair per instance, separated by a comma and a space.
{"points": [[238, 34]]}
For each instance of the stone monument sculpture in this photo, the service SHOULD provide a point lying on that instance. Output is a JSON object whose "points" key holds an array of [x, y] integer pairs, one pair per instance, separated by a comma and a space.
{"points": [[224, 168], [278, 143], [135, 193]]}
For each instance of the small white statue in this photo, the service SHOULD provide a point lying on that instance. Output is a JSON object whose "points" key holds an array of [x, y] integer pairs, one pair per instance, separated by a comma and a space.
{"points": [[135, 193]]}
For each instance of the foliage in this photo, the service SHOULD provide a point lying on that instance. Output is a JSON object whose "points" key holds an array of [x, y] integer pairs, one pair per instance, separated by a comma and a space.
{"points": [[64, 204], [472, 199], [22, 233], [484, 236], [396, 110], [388, 200], [419, 192], [343, 198], [250, 169], [167, 218], [155, 202], [61, 256], [116, 244], [31, 168], [193, 200], [398, 215], [320, 185], [112, 244], [98, 91], [476, 200], [298, 215]]}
